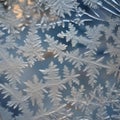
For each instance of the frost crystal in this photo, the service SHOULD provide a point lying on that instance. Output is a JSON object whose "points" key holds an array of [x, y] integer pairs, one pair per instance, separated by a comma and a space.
{"points": [[59, 60]]}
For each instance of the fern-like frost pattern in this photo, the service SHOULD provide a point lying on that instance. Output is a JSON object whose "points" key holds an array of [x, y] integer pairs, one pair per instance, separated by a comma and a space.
{"points": [[60, 60]]}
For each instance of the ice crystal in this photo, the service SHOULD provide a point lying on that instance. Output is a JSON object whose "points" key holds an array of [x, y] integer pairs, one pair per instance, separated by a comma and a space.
{"points": [[60, 59]]}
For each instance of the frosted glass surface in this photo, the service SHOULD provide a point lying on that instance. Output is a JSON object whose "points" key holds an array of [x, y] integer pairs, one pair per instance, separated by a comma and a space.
{"points": [[59, 59]]}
